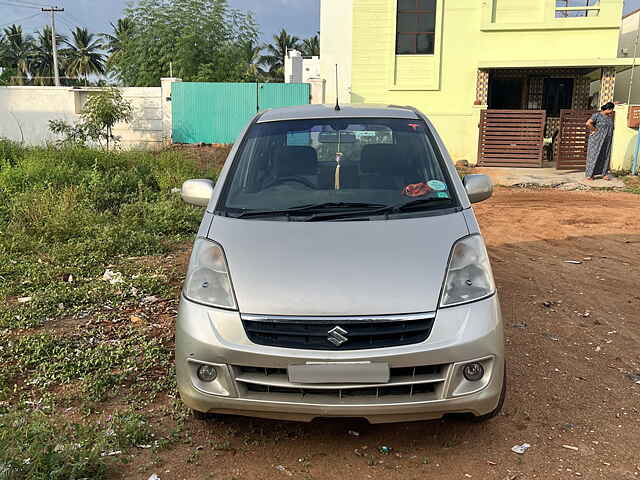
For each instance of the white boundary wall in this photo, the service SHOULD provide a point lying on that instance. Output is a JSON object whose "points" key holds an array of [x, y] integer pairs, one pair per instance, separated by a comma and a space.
{"points": [[25, 113], [336, 41]]}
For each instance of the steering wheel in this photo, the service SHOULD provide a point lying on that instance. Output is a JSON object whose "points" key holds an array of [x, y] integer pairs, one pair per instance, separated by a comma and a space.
{"points": [[303, 181]]}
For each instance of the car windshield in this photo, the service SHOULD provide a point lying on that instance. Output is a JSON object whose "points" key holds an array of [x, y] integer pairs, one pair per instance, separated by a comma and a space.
{"points": [[344, 166]]}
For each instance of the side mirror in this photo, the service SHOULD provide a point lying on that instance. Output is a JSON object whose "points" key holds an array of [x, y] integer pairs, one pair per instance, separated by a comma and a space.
{"points": [[197, 192], [479, 187]]}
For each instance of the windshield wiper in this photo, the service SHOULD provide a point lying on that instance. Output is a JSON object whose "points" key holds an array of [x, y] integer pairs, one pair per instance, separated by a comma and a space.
{"points": [[424, 203], [311, 208], [403, 206]]}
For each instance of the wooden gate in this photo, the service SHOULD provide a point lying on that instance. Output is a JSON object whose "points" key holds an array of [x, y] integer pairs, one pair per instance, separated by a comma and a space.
{"points": [[511, 138], [571, 151]]}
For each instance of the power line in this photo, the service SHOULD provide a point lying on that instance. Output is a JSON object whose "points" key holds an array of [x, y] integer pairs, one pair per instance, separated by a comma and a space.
{"points": [[66, 23], [18, 20], [28, 3], [36, 4], [74, 19], [19, 5]]}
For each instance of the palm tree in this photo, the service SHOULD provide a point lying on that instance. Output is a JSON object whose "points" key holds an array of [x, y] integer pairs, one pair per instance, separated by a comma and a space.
{"points": [[113, 41], [83, 54], [252, 58], [42, 62], [277, 52], [311, 47], [18, 52]]}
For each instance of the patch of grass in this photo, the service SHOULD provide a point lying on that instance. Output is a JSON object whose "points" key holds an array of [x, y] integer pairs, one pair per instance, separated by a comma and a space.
{"points": [[73, 211], [34, 446], [67, 334], [631, 184], [59, 290], [101, 361]]}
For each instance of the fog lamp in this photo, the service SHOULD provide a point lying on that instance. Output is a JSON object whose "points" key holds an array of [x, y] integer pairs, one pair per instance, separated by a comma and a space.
{"points": [[207, 373], [473, 371]]}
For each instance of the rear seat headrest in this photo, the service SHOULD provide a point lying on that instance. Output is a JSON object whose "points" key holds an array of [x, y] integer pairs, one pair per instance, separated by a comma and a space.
{"points": [[383, 158]]}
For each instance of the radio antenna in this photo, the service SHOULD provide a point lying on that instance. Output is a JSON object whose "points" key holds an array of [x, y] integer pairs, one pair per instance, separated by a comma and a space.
{"points": [[337, 91]]}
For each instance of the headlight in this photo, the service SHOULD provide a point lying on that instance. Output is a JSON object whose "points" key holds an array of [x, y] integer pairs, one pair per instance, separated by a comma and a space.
{"points": [[208, 280], [469, 275]]}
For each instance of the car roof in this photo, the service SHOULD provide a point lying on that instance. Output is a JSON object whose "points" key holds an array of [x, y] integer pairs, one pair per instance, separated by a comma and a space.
{"points": [[306, 112]]}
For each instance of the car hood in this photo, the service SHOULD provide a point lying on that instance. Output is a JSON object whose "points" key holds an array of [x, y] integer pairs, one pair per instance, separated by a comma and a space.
{"points": [[338, 268]]}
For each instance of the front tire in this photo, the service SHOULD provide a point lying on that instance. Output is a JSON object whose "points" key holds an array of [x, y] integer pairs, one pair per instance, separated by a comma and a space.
{"points": [[205, 416]]}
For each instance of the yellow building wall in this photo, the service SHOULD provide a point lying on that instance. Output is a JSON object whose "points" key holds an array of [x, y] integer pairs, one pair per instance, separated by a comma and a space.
{"points": [[469, 33], [508, 11], [624, 141]]}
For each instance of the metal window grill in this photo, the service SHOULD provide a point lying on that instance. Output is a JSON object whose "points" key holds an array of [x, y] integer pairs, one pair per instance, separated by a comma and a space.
{"points": [[577, 8]]}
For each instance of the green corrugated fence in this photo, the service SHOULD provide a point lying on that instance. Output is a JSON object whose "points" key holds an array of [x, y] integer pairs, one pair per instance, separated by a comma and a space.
{"points": [[217, 112]]}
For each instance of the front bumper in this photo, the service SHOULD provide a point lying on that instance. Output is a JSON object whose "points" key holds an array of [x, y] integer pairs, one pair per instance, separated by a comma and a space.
{"points": [[426, 378]]}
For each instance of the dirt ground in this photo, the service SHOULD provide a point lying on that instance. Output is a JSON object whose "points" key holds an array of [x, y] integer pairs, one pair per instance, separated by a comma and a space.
{"points": [[573, 346]]}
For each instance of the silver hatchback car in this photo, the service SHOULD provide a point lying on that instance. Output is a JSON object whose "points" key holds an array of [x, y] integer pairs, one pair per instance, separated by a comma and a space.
{"points": [[339, 271]]}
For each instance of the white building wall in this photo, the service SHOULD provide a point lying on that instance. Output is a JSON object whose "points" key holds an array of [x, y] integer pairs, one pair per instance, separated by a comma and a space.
{"points": [[25, 113], [293, 67], [299, 69], [336, 40], [310, 69], [626, 48]]}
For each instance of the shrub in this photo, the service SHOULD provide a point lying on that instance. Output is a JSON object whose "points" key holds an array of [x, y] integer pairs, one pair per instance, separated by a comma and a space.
{"points": [[76, 210], [10, 152], [99, 115]]}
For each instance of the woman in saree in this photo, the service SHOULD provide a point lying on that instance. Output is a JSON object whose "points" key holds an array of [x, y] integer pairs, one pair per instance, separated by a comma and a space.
{"points": [[600, 140]]}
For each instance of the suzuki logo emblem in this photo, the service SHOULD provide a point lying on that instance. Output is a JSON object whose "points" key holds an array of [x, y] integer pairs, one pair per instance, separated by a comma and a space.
{"points": [[337, 336]]}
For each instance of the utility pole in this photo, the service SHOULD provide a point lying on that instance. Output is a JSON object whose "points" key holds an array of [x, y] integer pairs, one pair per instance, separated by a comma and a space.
{"points": [[54, 47]]}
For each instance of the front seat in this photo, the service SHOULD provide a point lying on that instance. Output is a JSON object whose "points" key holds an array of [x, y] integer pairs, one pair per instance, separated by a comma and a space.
{"points": [[386, 167], [297, 161]]}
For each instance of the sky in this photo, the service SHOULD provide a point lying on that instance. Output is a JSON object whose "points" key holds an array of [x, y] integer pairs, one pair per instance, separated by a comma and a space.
{"points": [[299, 17]]}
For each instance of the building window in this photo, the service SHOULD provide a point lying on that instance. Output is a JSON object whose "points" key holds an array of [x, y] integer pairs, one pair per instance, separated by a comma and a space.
{"points": [[577, 8], [416, 27]]}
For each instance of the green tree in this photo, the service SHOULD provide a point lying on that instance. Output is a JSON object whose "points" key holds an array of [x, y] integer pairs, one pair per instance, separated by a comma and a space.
{"points": [[251, 55], [42, 61], [113, 41], [277, 52], [99, 115], [17, 53], [311, 46], [196, 37], [84, 55]]}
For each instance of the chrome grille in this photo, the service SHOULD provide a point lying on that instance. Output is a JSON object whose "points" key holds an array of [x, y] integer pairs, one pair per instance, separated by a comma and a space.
{"points": [[338, 333], [410, 384]]}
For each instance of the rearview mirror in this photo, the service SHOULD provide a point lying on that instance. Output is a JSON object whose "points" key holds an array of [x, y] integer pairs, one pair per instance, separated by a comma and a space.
{"points": [[478, 187], [197, 192]]}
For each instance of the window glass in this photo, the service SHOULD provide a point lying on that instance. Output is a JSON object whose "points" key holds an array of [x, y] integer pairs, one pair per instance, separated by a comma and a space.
{"points": [[406, 5], [425, 43], [406, 44], [416, 23], [407, 22], [576, 3], [571, 8], [289, 164], [427, 5]]}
